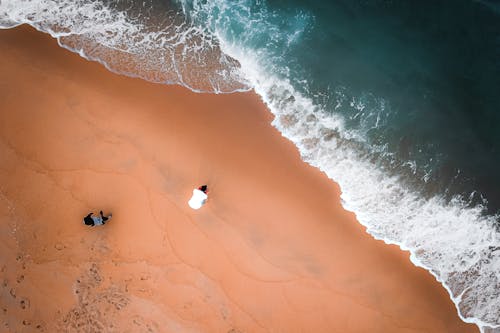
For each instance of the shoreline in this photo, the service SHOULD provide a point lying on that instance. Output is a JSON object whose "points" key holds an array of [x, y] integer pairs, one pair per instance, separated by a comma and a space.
{"points": [[70, 127]]}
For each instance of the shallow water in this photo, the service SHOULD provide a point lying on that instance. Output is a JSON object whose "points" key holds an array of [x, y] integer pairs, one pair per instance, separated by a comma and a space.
{"points": [[397, 101]]}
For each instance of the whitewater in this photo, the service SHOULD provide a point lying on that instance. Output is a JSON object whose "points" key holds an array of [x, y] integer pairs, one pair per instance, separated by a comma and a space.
{"points": [[458, 243]]}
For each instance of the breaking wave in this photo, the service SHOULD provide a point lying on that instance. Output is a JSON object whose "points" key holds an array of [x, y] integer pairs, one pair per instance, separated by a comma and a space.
{"points": [[226, 46], [127, 39], [454, 240]]}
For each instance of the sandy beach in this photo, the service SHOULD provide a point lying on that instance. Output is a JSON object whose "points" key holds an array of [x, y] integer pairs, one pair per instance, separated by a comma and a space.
{"points": [[271, 251]]}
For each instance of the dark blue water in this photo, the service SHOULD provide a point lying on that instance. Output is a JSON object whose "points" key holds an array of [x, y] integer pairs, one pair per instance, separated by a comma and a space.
{"points": [[435, 64], [415, 86], [417, 82], [397, 101]]}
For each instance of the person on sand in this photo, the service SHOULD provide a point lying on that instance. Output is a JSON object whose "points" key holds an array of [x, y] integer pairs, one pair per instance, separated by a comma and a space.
{"points": [[199, 197], [96, 220]]}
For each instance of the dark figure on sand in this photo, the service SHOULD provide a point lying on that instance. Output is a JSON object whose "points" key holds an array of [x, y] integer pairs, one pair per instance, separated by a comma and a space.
{"points": [[96, 220], [203, 188]]}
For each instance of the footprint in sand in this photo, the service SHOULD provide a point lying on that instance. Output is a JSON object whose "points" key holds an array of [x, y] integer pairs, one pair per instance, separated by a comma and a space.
{"points": [[118, 300], [24, 303], [146, 325], [86, 314], [20, 278], [94, 274]]}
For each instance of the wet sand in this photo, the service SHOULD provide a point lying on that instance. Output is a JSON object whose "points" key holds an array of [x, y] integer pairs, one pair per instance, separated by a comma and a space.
{"points": [[271, 251]]}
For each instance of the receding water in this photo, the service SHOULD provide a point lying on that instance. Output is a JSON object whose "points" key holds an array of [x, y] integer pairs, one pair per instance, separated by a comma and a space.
{"points": [[397, 101]]}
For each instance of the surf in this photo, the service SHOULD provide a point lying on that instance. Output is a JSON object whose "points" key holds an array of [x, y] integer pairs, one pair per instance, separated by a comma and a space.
{"points": [[167, 49], [450, 237], [224, 47]]}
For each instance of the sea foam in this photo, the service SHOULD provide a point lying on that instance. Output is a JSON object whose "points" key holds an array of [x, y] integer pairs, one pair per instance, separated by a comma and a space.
{"points": [[168, 50], [456, 242], [453, 240]]}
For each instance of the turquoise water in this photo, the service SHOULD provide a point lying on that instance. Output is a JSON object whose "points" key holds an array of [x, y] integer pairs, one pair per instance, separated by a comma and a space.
{"points": [[416, 82], [397, 101], [436, 64]]}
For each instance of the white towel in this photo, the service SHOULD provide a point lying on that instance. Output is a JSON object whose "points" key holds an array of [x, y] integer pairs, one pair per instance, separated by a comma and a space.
{"points": [[198, 199]]}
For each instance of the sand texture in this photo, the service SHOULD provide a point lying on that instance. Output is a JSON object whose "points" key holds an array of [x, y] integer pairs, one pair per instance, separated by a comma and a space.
{"points": [[271, 251]]}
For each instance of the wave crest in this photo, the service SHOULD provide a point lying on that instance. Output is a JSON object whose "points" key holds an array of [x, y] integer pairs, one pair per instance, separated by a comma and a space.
{"points": [[166, 49], [235, 45], [453, 239]]}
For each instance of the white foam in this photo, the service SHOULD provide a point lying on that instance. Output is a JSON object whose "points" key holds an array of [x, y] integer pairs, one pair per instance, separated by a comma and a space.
{"points": [[173, 52], [453, 241], [456, 243], [450, 240]]}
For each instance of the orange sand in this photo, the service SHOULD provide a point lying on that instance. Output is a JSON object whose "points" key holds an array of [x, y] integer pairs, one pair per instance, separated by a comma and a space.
{"points": [[272, 250]]}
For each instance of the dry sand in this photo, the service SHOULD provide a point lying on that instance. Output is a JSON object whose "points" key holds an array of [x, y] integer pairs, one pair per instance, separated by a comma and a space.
{"points": [[272, 250]]}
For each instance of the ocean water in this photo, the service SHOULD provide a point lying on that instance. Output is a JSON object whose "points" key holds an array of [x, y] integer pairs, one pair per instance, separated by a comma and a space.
{"points": [[397, 101]]}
